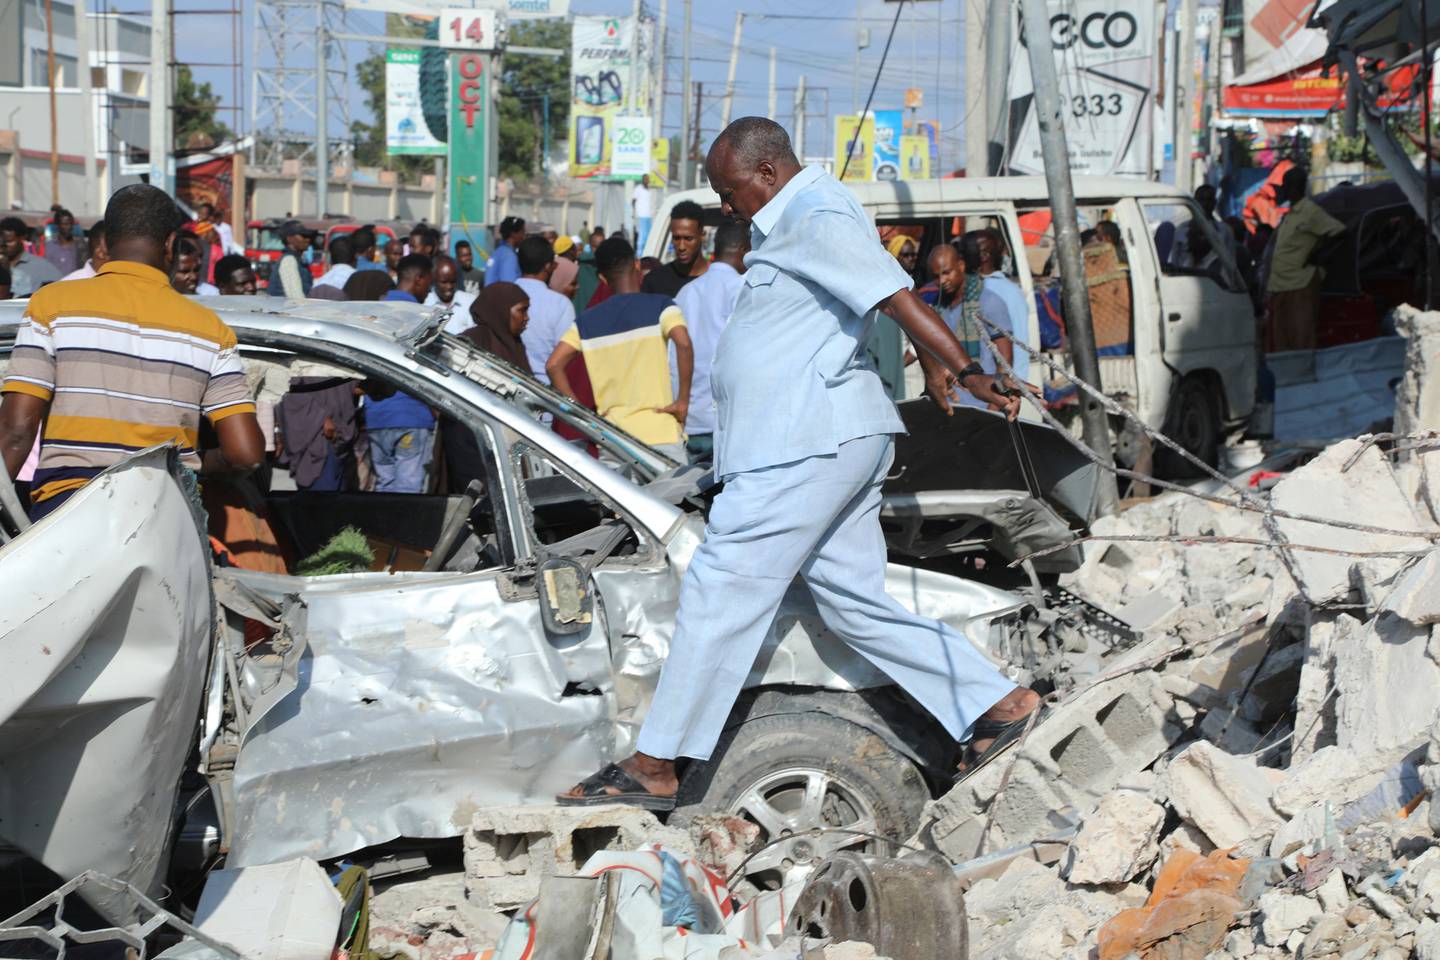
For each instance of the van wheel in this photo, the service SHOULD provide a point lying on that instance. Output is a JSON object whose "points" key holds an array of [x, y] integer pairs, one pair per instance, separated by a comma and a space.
{"points": [[791, 773], [1193, 422]]}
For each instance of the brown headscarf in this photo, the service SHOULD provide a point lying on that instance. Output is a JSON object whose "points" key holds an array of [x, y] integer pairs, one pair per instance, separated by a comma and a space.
{"points": [[491, 313], [565, 271], [368, 285]]}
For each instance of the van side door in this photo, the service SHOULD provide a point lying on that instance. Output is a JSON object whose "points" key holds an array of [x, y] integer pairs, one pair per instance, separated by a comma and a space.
{"points": [[1206, 320]]}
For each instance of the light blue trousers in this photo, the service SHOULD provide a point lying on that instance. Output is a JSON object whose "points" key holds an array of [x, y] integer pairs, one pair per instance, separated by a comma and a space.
{"points": [[819, 518]]}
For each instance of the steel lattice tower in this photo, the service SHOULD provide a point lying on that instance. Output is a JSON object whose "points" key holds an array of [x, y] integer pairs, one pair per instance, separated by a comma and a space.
{"points": [[284, 77]]}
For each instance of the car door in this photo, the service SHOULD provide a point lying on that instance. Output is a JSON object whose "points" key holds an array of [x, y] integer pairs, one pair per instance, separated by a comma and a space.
{"points": [[1206, 323]]}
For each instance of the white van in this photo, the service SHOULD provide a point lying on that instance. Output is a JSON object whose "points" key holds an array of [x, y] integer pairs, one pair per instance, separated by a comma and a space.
{"points": [[1185, 357]]}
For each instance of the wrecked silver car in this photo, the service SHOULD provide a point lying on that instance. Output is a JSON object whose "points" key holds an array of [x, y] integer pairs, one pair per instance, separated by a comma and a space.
{"points": [[506, 643]]}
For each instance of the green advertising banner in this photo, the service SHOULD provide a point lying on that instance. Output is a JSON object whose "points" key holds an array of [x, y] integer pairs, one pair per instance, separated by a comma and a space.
{"points": [[469, 103]]}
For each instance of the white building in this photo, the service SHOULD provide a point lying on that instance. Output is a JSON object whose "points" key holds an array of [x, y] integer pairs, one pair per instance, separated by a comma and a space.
{"points": [[119, 64]]}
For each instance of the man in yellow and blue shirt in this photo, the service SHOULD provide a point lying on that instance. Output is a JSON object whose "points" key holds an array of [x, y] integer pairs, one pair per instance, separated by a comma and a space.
{"points": [[624, 342], [120, 362]]}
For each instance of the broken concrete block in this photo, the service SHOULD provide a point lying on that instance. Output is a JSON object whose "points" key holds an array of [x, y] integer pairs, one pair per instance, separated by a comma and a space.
{"points": [[1367, 491], [1416, 596], [1314, 699], [509, 850], [1184, 837], [1281, 914], [1227, 797], [1332, 894], [1417, 400], [1324, 938], [1117, 841], [278, 911], [1085, 747], [1150, 613], [1390, 655], [1334, 774]]}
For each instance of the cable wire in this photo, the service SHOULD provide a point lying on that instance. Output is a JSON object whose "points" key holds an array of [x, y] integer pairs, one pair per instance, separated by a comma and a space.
{"points": [[879, 72]]}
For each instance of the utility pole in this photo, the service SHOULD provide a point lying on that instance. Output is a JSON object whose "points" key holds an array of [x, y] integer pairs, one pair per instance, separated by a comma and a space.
{"points": [[997, 87], [1184, 136], [159, 93], [773, 111], [694, 151], [977, 130], [861, 41], [686, 181], [633, 106], [322, 125], [799, 138], [659, 95], [54, 123], [92, 194], [730, 74], [1067, 237]]}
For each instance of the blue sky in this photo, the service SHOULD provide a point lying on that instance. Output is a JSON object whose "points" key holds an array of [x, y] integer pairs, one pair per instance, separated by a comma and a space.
{"points": [[816, 38]]}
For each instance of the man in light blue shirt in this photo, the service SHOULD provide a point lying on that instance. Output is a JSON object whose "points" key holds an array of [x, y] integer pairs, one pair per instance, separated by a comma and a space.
{"points": [[504, 264], [550, 313], [803, 442], [992, 256], [707, 302]]}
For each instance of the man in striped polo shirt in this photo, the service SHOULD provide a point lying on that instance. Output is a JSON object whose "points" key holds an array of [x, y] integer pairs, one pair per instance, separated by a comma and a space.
{"points": [[121, 362]]}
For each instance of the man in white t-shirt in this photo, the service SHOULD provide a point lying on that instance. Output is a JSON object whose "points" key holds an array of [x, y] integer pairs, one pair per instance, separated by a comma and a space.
{"points": [[447, 291], [644, 212]]}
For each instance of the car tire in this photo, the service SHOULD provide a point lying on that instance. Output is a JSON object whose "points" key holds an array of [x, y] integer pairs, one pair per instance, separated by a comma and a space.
{"points": [[774, 765], [1193, 421]]}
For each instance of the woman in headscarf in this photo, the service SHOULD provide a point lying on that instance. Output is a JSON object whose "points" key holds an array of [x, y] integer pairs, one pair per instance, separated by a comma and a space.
{"points": [[501, 313], [566, 278], [368, 285], [905, 250]]}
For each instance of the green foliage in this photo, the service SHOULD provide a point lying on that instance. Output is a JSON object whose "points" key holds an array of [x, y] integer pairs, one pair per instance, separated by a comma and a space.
{"points": [[370, 137], [347, 552], [523, 85], [520, 108], [195, 107]]}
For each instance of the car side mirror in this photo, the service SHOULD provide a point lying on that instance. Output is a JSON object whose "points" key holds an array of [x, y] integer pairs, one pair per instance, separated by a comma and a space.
{"points": [[566, 604]]}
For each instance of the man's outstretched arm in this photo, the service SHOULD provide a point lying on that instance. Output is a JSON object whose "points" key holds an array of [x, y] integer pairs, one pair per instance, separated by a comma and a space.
{"points": [[942, 357]]}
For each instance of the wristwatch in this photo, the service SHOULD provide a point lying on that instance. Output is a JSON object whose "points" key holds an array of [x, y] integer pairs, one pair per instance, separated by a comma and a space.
{"points": [[969, 370]]}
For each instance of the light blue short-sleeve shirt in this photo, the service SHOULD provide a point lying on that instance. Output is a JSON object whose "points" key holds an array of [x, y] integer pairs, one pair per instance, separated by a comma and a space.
{"points": [[791, 377]]}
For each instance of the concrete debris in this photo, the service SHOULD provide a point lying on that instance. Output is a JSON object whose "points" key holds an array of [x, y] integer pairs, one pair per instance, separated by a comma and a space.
{"points": [[1281, 914], [509, 850], [1116, 842], [1226, 796], [1368, 491], [279, 911]]}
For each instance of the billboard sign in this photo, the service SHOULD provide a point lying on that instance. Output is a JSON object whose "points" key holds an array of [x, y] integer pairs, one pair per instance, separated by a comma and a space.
{"points": [[468, 145], [630, 148], [889, 126], [1104, 52], [406, 131], [857, 141], [599, 73], [514, 9], [915, 157]]}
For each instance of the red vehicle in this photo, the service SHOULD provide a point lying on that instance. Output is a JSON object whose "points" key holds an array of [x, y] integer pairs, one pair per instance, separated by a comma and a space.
{"points": [[263, 246]]}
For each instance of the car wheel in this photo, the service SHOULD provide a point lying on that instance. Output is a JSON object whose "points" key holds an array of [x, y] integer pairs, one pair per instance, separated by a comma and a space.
{"points": [[791, 773], [1194, 423]]}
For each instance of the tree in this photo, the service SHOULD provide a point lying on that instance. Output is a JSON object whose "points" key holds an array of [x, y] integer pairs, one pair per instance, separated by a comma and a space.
{"points": [[370, 137], [524, 84], [196, 126]]}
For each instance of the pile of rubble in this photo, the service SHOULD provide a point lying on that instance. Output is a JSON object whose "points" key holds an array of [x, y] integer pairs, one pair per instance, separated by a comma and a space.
{"points": [[1251, 779], [1254, 778]]}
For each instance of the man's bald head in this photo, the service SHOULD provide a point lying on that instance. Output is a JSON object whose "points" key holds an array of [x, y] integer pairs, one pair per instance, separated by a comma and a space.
{"points": [[947, 269], [749, 163]]}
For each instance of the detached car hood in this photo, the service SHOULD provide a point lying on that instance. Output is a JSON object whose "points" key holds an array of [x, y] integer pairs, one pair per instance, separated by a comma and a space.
{"points": [[106, 630]]}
